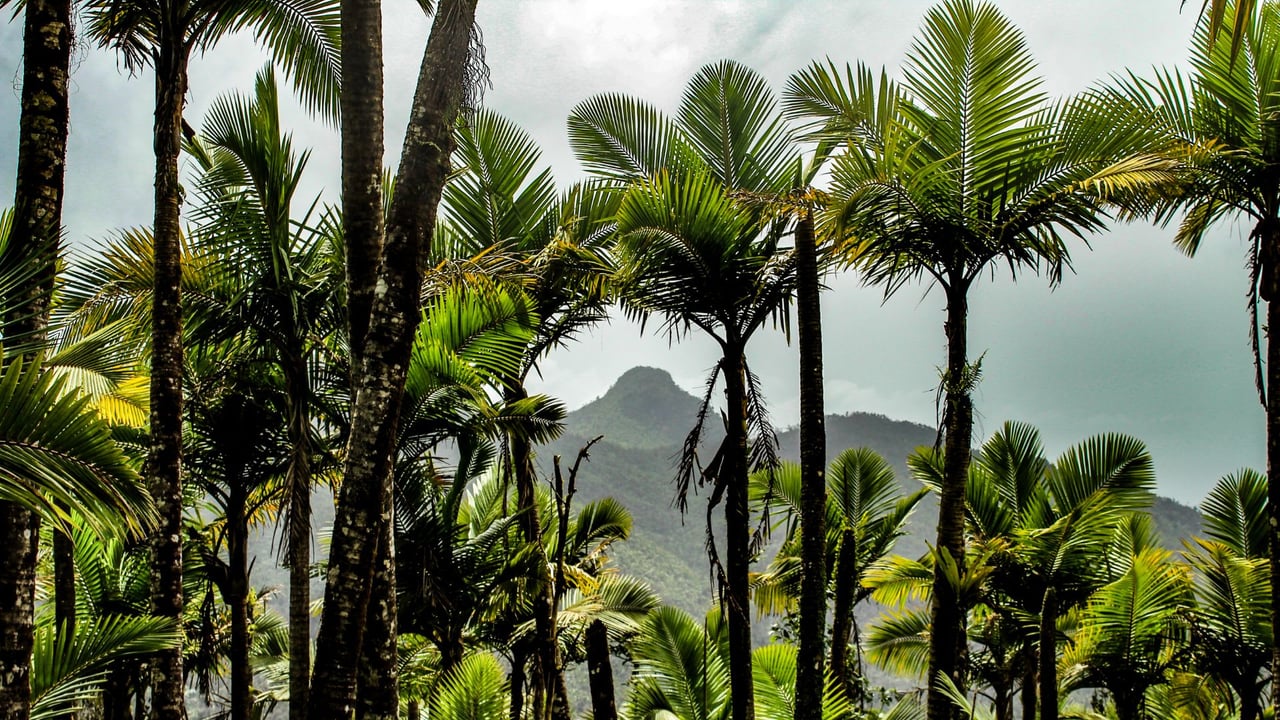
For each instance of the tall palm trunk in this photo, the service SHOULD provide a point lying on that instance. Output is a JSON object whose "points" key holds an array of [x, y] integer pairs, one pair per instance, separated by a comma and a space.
{"points": [[842, 614], [164, 461], [738, 533], [947, 639], [1049, 656], [548, 676], [42, 151], [1273, 454], [238, 593], [813, 484], [362, 153], [297, 392], [364, 506], [600, 673]]}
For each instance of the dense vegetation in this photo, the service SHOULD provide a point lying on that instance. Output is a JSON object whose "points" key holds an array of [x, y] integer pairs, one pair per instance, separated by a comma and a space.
{"points": [[188, 388]]}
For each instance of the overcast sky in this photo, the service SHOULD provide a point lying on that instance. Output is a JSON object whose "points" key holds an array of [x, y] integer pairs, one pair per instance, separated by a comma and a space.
{"points": [[1140, 340]]}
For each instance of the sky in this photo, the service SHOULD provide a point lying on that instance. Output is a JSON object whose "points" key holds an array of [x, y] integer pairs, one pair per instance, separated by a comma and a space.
{"points": [[1139, 340]]}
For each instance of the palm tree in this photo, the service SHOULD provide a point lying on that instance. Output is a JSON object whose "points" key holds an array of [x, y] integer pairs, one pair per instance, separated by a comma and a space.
{"points": [[1132, 631], [1231, 619], [681, 671], [303, 39], [502, 206], [865, 514], [692, 256], [1222, 120], [965, 165], [277, 273]]}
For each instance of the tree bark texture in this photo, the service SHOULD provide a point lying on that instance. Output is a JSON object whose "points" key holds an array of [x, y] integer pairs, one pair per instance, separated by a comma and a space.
{"points": [[377, 696], [164, 461], [600, 673], [362, 156], [1049, 656], [738, 535], [364, 504], [298, 391], [813, 484], [947, 639], [238, 594], [842, 613], [37, 223], [1273, 462]]}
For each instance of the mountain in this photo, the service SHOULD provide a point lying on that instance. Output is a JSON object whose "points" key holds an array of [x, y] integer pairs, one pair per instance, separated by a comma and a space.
{"points": [[644, 418]]}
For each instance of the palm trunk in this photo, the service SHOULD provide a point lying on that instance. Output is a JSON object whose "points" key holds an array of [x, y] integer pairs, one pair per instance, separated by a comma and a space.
{"points": [[1028, 689], [813, 484], [64, 582], [947, 638], [164, 461], [738, 535], [1049, 656], [364, 506], [238, 596], [1273, 454], [842, 614], [377, 697], [548, 676], [518, 660], [362, 153], [600, 673], [297, 392], [42, 151]]}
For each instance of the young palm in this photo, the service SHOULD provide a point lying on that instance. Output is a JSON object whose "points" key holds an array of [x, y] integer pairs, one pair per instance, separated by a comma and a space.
{"points": [[690, 255], [276, 273], [1231, 619], [1222, 119], [1132, 632], [865, 514], [965, 165], [502, 206]]}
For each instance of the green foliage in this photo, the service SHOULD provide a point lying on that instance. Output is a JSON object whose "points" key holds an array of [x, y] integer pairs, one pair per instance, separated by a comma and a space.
{"points": [[68, 668]]}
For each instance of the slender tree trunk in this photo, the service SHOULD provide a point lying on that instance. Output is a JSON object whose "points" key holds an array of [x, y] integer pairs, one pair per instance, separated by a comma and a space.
{"points": [[238, 596], [1049, 656], [813, 483], [842, 613], [64, 581], [42, 152], [1029, 682], [738, 536], [19, 530], [1273, 453], [364, 506], [518, 660], [1250, 706], [297, 393], [362, 153], [947, 639], [548, 674], [600, 673], [164, 461]]}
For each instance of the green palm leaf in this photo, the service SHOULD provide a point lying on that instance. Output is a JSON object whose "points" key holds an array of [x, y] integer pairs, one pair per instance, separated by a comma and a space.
{"points": [[68, 669], [57, 456]]}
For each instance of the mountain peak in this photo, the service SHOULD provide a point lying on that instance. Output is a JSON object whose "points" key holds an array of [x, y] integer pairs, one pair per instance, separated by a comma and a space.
{"points": [[644, 409]]}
